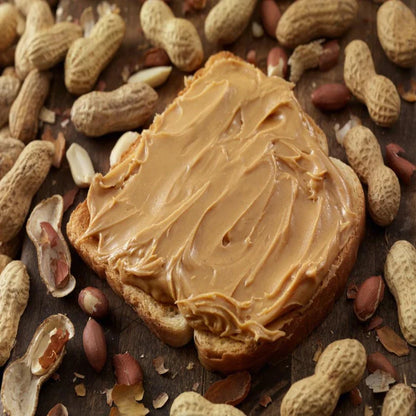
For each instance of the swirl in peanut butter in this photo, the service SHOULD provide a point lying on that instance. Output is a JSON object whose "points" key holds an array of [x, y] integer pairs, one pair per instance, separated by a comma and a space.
{"points": [[227, 206]]}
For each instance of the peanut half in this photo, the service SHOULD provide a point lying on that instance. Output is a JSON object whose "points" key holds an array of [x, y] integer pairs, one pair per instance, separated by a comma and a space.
{"points": [[24, 112], [364, 156], [87, 57], [190, 403], [14, 294], [305, 20], [20, 184], [125, 108], [339, 369], [178, 37], [400, 275], [227, 20], [399, 401], [377, 92], [396, 30], [49, 46]]}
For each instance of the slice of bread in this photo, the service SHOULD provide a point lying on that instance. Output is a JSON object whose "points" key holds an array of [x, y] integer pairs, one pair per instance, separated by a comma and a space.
{"points": [[230, 353]]}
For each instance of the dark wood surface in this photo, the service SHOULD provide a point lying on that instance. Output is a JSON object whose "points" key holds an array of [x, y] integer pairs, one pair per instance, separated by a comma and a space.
{"points": [[124, 331]]}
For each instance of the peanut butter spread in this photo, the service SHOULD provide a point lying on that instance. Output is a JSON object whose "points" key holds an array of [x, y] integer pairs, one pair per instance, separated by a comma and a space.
{"points": [[227, 206]]}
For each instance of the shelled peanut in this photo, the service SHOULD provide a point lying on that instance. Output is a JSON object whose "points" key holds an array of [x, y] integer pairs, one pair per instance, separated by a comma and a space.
{"points": [[339, 369], [400, 275], [178, 37], [10, 150], [49, 46], [95, 346], [399, 401], [20, 184], [305, 20], [377, 92], [396, 30], [125, 108], [39, 18], [14, 294], [9, 88], [8, 25], [364, 155], [87, 57], [227, 20], [24, 112]]}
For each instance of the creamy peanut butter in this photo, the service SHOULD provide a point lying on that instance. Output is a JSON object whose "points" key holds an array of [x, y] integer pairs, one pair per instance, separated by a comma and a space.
{"points": [[227, 206]]}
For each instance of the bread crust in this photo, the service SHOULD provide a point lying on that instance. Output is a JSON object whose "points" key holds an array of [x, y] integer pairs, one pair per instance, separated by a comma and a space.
{"points": [[225, 354]]}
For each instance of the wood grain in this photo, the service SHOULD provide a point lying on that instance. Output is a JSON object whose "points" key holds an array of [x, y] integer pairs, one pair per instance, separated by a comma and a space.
{"points": [[124, 330]]}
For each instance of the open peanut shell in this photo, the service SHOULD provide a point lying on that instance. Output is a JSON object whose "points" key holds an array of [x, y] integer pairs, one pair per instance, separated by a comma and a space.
{"points": [[20, 387], [54, 258]]}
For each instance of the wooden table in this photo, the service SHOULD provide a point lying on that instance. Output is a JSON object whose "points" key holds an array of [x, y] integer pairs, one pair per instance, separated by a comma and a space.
{"points": [[124, 330]]}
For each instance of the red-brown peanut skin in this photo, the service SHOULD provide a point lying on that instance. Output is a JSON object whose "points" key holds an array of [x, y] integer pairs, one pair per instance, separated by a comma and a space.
{"points": [[126, 369], [369, 296], [331, 97], [95, 346], [270, 16], [93, 302]]}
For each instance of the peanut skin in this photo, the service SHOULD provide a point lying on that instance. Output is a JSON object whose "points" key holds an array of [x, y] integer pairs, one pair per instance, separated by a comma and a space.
{"points": [[339, 369], [178, 37], [227, 20], [377, 92], [20, 184], [400, 274], [24, 113], [14, 290], [305, 20], [125, 108], [364, 156], [87, 57]]}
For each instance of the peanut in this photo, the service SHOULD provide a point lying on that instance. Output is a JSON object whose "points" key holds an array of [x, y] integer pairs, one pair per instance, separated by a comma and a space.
{"points": [[58, 410], [8, 25], [93, 302], [125, 108], [329, 56], [377, 361], [400, 274], [399, 401], [126, 369], [24, 113], [39, 18], [401, 167], [122, 145], [331, 97], [277, 62], [377, 92], [304, 57], [95, 347], [87, 57], [4, 261], [369, 296], [396, 30], [9, 88], [14, 289], [270, 16], [154, 76], [10, 150], [19, 185], [82, 169], [24, 5], [227, 20], [305, 20], [49, 46], [193, 404], [364, 156], [339, 369], [178, 37]]}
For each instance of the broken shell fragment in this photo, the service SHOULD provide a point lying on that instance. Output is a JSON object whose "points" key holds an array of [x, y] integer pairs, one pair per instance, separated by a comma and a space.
{"points": [[54, 258], [20, 387]]}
